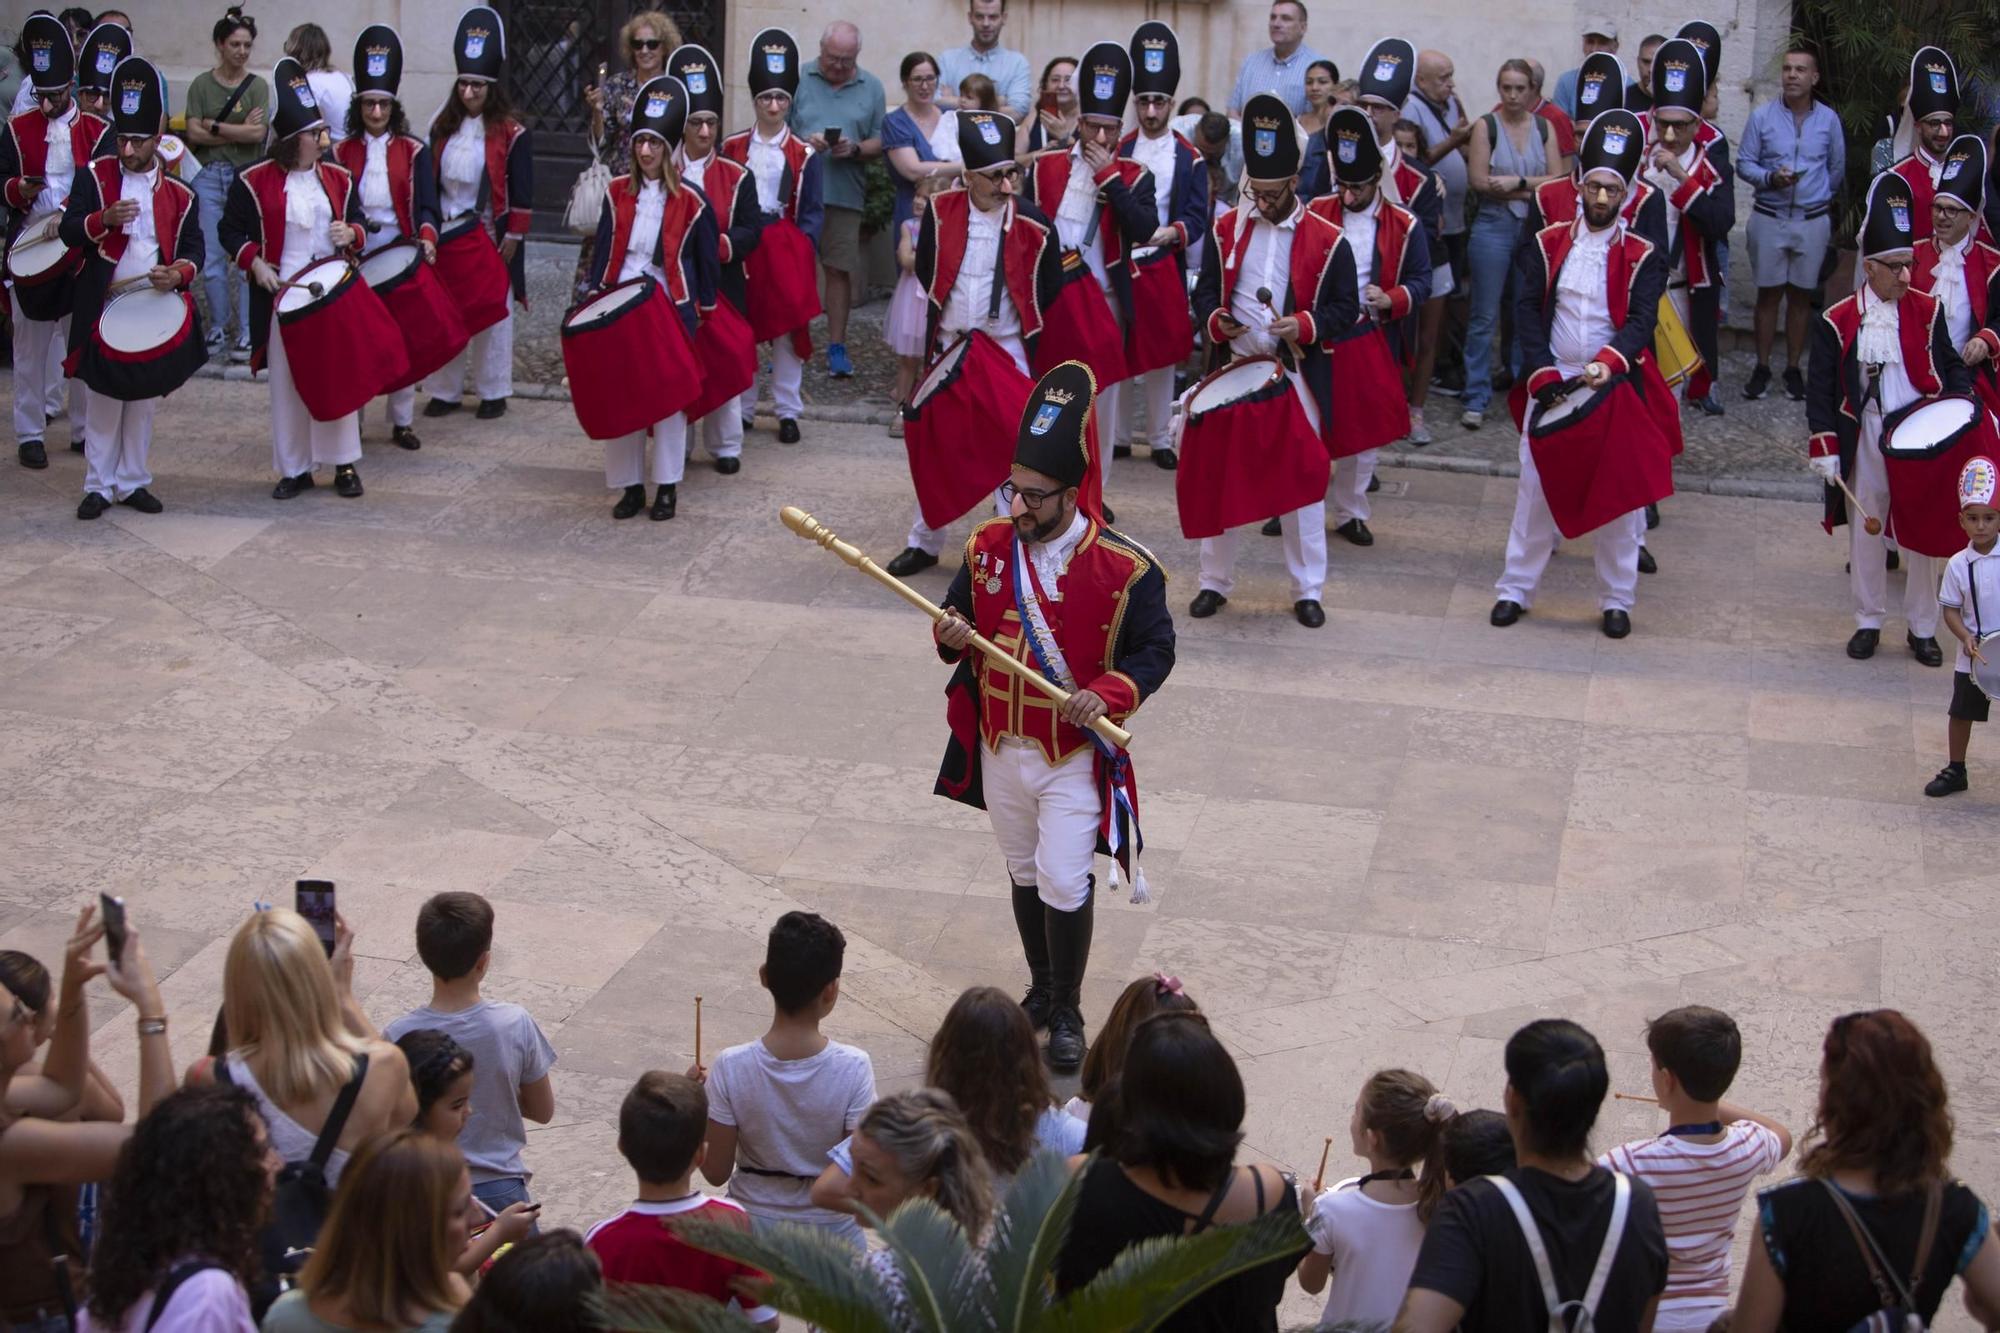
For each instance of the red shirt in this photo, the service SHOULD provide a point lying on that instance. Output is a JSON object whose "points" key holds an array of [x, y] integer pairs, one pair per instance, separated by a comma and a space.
{"points": [[639, 1246]]}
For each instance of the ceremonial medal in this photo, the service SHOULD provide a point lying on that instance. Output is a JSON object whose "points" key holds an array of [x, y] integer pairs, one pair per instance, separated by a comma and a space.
{"points": [[992, 586]]}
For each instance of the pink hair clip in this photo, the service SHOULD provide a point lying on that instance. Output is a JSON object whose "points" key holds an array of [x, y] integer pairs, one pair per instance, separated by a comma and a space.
{"points": [[1165, 984]]}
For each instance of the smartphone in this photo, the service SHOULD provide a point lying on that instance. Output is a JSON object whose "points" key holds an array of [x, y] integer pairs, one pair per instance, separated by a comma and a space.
{"points": [[114, 925], [1049, 105], [832, 135], [313, 900]]}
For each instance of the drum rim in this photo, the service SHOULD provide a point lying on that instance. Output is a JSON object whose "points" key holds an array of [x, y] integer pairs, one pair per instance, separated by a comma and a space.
{"points": [[570, 324], [40, 276], [402, 243], [1990, 637], [350, 272], [1262, 392], [465, 224], [962, 345], [1601, 395], [183, 299], [1908, 410]]}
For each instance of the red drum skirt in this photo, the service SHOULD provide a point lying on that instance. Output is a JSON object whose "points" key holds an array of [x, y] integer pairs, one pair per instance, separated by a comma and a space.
{"points": [[629, 359], [1162, 332], [433, 330], [1661, 402], [727, 352], [1247, 451], [146, 345], [783, 274], [1600, 457], [1923, 447], [470, 267], [1078, 326], [343, 345], [1369, 409], [959, 426]]}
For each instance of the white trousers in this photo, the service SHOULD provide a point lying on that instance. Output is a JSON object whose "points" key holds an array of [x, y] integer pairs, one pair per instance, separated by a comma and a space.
{"points": [[298, 443], [627, 461], [1305, 554], [116, 439], [491, 352], [1867, 557], [39, 348], [1153, 393], [1532, 540], [931, 540], [1350, 485], [1045, 817], [722, 432], [400, 405], [787, 373]]}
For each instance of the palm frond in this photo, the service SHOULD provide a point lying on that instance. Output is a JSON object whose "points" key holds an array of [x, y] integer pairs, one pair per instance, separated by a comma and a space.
{"points": [[1033, 1224], [638, 1308], [934, 1258], [1151, 1280], [815, 1275]]}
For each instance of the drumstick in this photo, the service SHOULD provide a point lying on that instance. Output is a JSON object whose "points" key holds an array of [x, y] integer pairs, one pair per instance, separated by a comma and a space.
{"points": [[315, 288], [697, 1031], [1319, 1177], [1264, 296], [1869, 523], [1635, 1097]]}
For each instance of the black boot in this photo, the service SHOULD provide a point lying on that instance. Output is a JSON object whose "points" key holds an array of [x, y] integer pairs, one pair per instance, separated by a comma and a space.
{"points": [[1069, 953], [1030, 919]]}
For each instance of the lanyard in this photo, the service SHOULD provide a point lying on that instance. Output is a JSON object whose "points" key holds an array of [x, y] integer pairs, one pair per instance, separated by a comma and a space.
{"points": [[1400, 1173], [1688, 1131]]}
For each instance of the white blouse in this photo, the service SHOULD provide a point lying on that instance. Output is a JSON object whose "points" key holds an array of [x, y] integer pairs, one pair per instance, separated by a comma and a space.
{"points": [[646, 216], [462, 167], [308, 221]]}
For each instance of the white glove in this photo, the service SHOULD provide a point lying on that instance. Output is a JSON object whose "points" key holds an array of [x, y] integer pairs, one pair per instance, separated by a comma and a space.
{"points": [[1828, 467]]}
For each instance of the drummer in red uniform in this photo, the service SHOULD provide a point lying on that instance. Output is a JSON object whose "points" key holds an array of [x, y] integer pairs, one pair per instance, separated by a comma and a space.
{"points": [[150, 228], [1589, 297], [486, 166], [732, 194], [96, 61], [653, 224], [1272, 243], [40, 153], [787, 173], [1874, 353], [1687, 161], [1925, 131], [1955, 266], [392, 170], [1560, 200], [283, 213]]}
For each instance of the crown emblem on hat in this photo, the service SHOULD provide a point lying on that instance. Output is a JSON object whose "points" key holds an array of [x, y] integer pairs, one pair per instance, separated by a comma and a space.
{"points": [[1059, 396], [1264, 122]]}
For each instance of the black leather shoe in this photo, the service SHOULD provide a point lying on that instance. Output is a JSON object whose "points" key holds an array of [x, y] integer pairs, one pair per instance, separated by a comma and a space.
{"points": [[1310, 613], [93, 505], [1121, 451], [287, 487], [1925, 650], [1652, 517], [33, 454], [1206, 603], [665, 502], [1616, 624], [1893, 561], [1273, 528], [1647, 565], [406, 438], [630, 503], [1040, 1003], [144, 501], [1506, 613], [1950, 779], [730, 466], [1355, 531], [1166, 460], [1861, 646], [910, 560], [441, 407], [347, 482], [490, 408], [76, 443], [1067, 1043], [788, 431], [1374, 484]]}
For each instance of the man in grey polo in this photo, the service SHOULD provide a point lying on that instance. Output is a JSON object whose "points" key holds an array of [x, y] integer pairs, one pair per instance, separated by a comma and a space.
{"points": [[1794, 154], [984, 55], [836, 94], [1280, 71]]}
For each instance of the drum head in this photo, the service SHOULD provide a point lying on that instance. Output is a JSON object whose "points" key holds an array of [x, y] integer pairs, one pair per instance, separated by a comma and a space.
{"points": [[140, 321], [1929, 428], [35, 258], [1559, 413], [1986, 675], [390, 262], [1233, 383], [941, 371], [610, 305], [457, 227], [328, 273]]}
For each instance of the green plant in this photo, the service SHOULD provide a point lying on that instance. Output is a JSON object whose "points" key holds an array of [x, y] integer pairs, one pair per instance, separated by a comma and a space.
{"points": [[949, 1287], [878, 199]]}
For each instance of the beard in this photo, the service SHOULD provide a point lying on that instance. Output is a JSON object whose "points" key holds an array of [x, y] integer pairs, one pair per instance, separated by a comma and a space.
{"points": [[1031, 530]]}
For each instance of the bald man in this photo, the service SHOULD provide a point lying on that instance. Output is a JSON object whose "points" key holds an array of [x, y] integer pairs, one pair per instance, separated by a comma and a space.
{"points": [[1433, 104], [837, 95]]}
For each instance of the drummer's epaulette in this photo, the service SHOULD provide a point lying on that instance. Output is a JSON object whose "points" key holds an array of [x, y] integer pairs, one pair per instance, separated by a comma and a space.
{"points": [[1119, 541]]}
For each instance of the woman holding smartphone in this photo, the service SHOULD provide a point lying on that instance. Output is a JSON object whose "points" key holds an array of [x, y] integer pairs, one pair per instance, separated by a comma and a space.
{"points": [[1056, 109]]}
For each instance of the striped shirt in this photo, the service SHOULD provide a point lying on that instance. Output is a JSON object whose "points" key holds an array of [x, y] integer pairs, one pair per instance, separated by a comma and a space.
{"points": [[1700, 1188]]}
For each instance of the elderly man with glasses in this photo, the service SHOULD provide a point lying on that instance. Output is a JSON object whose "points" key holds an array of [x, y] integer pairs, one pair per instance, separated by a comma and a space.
{"points": [[838, 109]]}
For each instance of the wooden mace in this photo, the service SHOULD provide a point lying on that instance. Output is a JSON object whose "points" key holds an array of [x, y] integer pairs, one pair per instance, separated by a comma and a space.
{"points": [[804, 524]]}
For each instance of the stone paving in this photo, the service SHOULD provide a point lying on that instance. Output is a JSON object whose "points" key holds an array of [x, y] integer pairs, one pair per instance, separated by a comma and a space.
{"points": [[1389, 841]]}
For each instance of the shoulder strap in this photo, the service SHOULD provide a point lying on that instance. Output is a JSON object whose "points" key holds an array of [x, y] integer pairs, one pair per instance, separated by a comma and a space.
{"points": [[1532, 1234], [1215, 1201], [1492, 130], [1889, 1288], [173, 1283], [1607, 1254], [1933, 1211], [336, 1119]]}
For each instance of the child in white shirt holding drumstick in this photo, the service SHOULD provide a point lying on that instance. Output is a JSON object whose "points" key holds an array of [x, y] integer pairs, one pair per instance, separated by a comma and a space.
{"points": [[1969, 596]]}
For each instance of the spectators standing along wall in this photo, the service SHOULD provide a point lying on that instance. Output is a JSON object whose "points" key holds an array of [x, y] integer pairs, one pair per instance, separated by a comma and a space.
{"points": [[984, 55], [839, 110], [1281, 70]]}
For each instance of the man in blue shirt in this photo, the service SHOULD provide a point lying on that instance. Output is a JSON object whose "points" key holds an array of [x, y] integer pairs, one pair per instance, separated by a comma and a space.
{"points": [[1601, 35], [1281, 70], [1794, 153], [984, 55], [838, 110]]}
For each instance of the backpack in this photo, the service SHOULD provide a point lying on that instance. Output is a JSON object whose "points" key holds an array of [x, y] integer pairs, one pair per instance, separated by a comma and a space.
{"points": [[301, 1198], [174, 1280], [1559, 1309], [1899, 1303]]}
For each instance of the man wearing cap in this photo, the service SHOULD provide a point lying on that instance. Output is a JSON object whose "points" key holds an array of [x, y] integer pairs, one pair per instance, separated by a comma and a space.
{"points": [[1392, 274], [1279, 281], [1180, 195], [133, 221], [732, 196], [990, 264], [1601, 35], [1588, 297], [1687, 161], [1794, 154], [1086, 607], [782, 291], [1879, 350], [1956, 267], [1928, 124], [41, 151]]}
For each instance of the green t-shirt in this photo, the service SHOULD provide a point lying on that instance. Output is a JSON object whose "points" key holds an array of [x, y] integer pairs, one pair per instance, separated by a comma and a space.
{"points": [[205, 97]]}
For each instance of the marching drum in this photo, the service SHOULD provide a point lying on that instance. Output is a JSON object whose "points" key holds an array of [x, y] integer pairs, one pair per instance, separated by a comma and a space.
{"points": [[146, 344], [1162, 329], [1078, 326], [432, 328], [1369, 409], [727, 351], [342, 345], [1673, 346], [470, 268], [43, 269], [629, 359], [1986, 675], [1923, 447], [1247, 450], [783, 274], [1600, 456], [957, 426]]}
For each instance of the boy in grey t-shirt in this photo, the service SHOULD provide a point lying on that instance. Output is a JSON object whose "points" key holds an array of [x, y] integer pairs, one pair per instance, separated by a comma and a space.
{"points": [[510, 1056]]}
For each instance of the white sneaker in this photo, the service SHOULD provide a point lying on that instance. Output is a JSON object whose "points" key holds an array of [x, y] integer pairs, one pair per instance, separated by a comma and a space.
{"points": [[1471, 420], [1419, 433]]}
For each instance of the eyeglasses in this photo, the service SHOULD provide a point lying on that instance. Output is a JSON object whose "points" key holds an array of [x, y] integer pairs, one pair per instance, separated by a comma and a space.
{"points": [[1895, 265], [1604, 189], [466, 85], [1008, 175], [647, 43], [922, 80], [1032, 499]]}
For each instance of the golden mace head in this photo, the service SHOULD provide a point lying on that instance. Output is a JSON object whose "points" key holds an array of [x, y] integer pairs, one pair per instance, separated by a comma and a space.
{"points": [[804, 524]]}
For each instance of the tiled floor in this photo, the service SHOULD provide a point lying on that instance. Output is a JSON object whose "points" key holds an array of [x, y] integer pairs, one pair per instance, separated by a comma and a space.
{"points": [[1391, 840]]}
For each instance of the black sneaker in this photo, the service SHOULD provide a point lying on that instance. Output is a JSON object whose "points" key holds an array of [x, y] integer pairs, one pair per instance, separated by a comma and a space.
{"points": [[1950, 780], [1795, 384], [1759, 383]]}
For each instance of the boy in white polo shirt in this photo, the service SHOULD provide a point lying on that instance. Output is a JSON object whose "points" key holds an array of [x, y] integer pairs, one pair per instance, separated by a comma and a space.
{"points": [[1969, 597]]}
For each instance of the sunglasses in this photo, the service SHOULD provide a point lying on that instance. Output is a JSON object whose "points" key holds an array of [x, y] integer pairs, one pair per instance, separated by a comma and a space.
{"points": [[647, 43]]}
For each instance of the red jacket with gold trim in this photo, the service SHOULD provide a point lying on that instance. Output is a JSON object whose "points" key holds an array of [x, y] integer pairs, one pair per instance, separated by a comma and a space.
{"points": [[1635, 278], [1030, 260], [253, 228], [413, 182]]}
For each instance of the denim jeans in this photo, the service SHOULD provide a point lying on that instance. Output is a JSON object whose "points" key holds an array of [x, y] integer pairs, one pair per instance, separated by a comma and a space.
{"points": [[221, 280], [498, 1194], [1490, 256]]}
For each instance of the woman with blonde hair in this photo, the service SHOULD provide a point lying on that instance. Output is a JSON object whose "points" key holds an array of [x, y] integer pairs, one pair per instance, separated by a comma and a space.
{"points": [[384, 1259]]}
